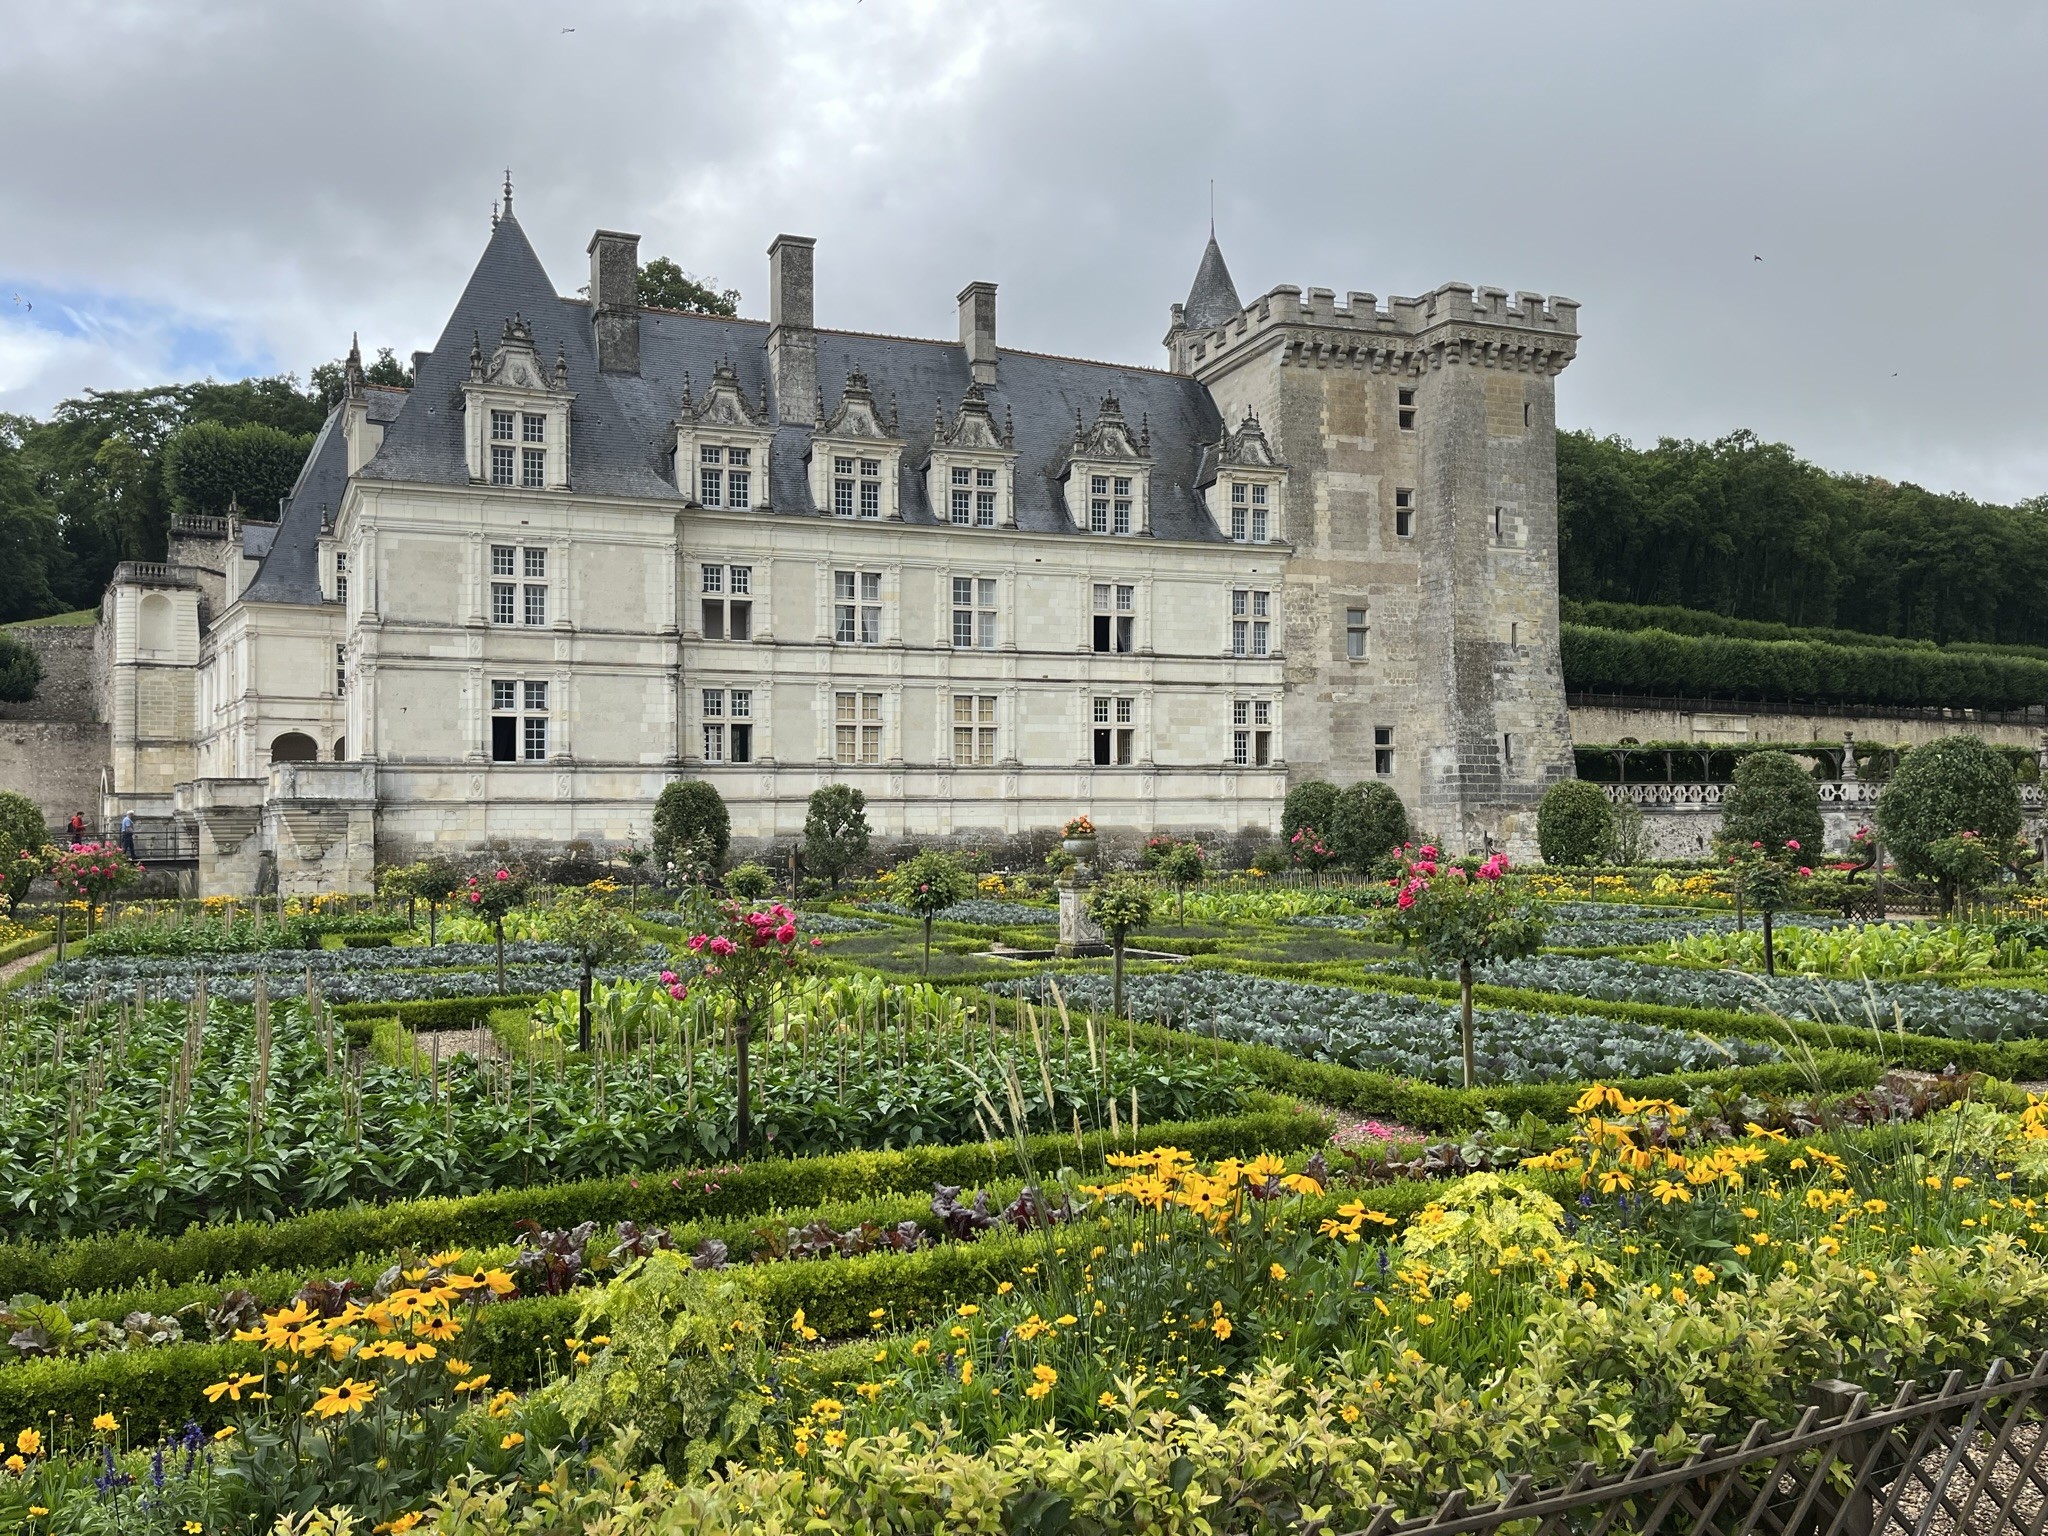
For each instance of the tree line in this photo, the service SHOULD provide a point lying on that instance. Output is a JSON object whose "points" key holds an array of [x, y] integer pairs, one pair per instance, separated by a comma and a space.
{"points": [[1747, 529]]}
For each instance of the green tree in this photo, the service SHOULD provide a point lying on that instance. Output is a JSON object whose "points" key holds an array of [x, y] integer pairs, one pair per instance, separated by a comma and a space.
{"points": [[1462, 919], [1574, 823], [330, 380], [692, 830], [835, 831], [925, 884], [664, 285], [1950, 786], [1120, 904], [437, 881], [1762, 876], [1367, 823], [208, 467], [1308, 804], [21, 670], [1775, 802], [21, 832], [1180, 865], [595, 933]]}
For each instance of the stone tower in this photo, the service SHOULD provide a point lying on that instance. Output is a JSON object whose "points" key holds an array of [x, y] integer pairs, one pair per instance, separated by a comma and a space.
{"points": [[1420, 519]]}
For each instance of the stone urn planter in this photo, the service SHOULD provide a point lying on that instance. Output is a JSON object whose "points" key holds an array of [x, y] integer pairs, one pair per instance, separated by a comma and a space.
{"points": [[1082, 848]]}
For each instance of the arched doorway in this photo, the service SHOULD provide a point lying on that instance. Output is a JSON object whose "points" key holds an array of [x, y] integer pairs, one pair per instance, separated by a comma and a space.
{"points": [[341, 749], [294, 747]]}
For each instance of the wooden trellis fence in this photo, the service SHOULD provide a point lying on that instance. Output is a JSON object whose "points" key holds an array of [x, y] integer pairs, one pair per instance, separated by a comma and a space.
{"points": [[1954, 1460]]}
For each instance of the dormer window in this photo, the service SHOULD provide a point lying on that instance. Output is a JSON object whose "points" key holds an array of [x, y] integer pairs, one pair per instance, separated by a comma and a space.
{"points": [[518, 414], [1108, 474], [972, 468], [856, 457], [722, 445], [1250, 483]]}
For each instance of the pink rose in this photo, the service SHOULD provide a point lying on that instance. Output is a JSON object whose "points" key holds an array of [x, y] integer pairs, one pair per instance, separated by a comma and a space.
{"points": [[722, 946], [1405, 900], [668, 978], [698, 941], [786, 934], [678, 991], [1792, 843], [817, 943], [1804, 870]]}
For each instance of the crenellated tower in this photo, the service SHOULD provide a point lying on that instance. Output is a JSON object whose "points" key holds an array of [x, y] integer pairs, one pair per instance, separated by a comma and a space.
{"points": [[1420, 574]]}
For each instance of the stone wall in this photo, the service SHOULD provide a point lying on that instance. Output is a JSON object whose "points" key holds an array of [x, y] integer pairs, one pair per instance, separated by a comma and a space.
{"points": [[55, 763], [66, 691], [1682, 820], [1725, 725]]}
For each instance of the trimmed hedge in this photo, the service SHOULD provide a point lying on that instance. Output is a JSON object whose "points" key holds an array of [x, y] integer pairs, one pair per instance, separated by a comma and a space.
{"points": [[9, 953], [428, 1015], [1657, 661], [668, 1197]]}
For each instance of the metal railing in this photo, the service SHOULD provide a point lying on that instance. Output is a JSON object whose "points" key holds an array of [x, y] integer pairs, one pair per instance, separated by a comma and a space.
{"points": [[1959, 1459]]}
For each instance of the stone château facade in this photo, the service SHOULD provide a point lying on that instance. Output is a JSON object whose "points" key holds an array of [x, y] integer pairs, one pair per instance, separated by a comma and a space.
{"points": [[597, 548]]}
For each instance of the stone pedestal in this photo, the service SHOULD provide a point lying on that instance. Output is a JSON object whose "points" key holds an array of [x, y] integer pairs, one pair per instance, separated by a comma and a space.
{"points": [[1080, 934]]}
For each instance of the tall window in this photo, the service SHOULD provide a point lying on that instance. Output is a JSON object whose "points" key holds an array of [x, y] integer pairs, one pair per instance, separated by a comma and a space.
{"points": [[972, 499], [725, 477], [728, 725], [1250, 513], [870, 487], [341, 576], [1109, 504], [1115, 620], [1404, 514], [974, 613], [501, 447], [519, 602], [984, 498], [974, 730], [1354, 634], [1115, 735], [1260, 512], [519, 720], [1405, 405], [857, 728], [857, 607], [1251, 734], [1251, 626], [728, 602], [340, 670], [842, 487], [1383, 750]]}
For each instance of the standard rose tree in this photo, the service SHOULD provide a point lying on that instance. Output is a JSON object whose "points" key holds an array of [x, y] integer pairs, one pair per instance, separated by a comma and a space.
{"points": [[753, 954], [91, 872], [490, 895], [1461, 917]]}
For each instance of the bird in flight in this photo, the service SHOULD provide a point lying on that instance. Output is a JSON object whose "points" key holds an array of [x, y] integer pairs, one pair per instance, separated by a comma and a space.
{"points": [[567, 30], [1756, 258], [23, 303]]}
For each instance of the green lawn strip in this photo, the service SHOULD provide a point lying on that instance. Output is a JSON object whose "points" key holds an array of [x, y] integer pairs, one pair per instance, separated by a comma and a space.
{"points": [[668, 1197]]}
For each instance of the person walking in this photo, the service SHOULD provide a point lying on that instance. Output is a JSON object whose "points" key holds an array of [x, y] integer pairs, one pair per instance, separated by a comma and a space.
{"points": [[128, 833], [76, 827]]}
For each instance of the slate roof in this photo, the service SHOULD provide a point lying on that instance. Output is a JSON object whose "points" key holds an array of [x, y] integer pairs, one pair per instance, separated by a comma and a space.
{"points": [[290, 572], [1212, 301], [622, 435]]}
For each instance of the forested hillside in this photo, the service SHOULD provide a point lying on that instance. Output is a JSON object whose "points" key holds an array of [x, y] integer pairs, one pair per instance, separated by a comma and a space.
{"points": [[1747, 529]]}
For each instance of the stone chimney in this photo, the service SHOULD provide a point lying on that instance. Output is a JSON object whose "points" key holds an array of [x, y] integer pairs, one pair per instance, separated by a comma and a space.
{"points": [[792, 337], [978, 331], [615, 300]]}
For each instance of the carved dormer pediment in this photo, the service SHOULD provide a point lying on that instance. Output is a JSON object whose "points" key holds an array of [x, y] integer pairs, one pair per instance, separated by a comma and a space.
{"points": [[1248, 446], [516, 364], [973, 425], [723, 444], [970, 477], [1109, 436], [724, 403], [857, 415]]}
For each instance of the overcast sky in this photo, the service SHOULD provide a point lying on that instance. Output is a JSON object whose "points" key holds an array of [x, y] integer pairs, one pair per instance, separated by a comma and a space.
{"points": [[226, 188]]}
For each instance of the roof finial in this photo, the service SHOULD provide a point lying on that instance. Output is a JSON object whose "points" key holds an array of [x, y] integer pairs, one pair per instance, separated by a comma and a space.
{"points": [[938, 419], [508, 191], [1009, 427], [1212, 207], [494, 215], [1145, 430], [892, 415]]}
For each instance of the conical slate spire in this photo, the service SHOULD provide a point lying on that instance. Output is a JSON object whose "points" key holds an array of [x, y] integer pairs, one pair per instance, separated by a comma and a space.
{"points": [[1213, 300]]}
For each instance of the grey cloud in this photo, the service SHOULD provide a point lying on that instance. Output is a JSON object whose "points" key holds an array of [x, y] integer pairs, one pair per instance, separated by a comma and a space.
{"points": [[288, 173]]}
